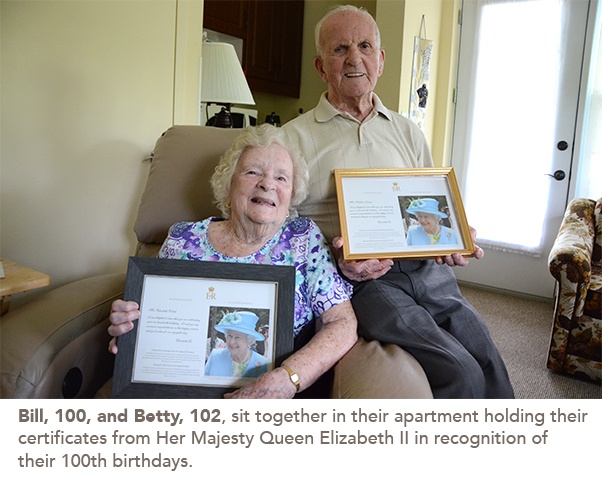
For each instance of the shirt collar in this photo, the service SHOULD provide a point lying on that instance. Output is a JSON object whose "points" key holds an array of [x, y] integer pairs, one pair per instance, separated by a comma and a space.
{"points": [[325, 111]]}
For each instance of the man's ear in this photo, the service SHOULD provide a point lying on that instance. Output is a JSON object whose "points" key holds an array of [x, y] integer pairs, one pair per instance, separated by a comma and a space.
{"points": [[382, 62], [319, 64]]}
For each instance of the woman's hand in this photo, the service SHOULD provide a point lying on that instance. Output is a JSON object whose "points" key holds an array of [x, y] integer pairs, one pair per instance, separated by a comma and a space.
{"points": [[274, 384], [360, 271], [122, 319]]}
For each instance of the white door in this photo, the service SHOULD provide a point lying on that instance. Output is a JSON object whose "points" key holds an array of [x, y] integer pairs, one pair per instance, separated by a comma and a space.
{"points": [[518, 90]]}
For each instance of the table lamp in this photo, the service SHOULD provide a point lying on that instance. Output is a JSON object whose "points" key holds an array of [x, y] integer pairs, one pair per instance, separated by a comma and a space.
{"points": [[223, 81]]}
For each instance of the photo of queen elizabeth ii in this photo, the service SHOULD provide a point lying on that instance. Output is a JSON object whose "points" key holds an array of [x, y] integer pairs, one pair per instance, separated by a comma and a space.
{"points": [[234, 347], [429, 224]]}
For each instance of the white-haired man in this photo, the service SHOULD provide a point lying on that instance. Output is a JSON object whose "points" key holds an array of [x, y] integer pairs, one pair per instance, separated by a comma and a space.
{"points": [[414, 304]]}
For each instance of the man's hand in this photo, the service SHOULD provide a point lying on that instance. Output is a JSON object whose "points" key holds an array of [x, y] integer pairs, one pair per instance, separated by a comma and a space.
{"points": [[360, 271], [459, 260]]}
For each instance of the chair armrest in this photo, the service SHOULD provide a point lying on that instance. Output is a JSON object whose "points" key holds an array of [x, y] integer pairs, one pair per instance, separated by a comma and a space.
{"points": [[56, 346], [372, 370], [571, 255]]}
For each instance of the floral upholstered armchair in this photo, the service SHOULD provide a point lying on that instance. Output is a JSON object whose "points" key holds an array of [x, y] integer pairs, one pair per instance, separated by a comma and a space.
{"points": [[576, 263]]}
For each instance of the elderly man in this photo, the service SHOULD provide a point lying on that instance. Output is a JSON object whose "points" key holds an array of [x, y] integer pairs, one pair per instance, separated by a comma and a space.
{"points": [[414, 304]]}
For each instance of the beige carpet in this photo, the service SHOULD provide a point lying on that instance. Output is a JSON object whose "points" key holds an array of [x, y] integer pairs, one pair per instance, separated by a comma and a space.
{"points": [[521, 329]]}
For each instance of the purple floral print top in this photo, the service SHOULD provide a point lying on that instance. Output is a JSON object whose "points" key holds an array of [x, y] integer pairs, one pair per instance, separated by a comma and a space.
{"points": [[299, 242]]}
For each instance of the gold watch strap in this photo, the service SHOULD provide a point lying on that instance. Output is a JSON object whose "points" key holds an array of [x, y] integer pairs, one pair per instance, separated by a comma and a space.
{"points": [[293, 377]]}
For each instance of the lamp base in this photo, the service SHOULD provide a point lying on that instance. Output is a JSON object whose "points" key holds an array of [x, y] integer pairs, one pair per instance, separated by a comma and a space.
{"points": [[222, 120]]}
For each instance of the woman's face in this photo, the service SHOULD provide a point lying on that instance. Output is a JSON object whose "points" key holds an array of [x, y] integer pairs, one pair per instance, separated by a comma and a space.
{"points": [[238, 344], [428, 221], [262, 186]]}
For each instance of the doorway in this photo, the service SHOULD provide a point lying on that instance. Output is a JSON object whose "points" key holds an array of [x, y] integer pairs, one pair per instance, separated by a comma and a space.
{"points": [[519, 76]]}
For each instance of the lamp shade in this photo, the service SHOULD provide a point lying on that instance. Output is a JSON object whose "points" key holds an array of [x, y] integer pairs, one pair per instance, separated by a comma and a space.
{"points": [[222, 78]]}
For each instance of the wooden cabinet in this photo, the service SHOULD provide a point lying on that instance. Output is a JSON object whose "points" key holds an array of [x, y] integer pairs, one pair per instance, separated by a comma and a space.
{"points": [[272, 33], [274, 41], [226, 16]]}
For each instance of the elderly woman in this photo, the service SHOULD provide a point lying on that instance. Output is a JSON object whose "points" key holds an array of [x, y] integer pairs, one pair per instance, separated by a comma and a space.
{"points": [[257, 185], [429, 230], [238, 359]]}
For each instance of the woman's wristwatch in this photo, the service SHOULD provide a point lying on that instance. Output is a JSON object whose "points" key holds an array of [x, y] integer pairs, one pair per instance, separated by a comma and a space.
{"points": [[294, 378]]}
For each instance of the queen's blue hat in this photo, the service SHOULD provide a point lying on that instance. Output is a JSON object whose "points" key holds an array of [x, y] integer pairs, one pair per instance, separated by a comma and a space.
{"points": [[244, 322], [425, 205]]}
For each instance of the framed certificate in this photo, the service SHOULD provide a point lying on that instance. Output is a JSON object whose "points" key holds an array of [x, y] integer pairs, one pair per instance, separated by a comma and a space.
{"points": [[206, 328], [401, 213]]}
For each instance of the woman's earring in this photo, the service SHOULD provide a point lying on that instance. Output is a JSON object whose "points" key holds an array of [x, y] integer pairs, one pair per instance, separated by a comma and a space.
{"points": [[228, 206]]}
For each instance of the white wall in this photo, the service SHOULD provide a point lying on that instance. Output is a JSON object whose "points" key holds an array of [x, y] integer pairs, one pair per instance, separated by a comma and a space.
{"points": [[87, 87]]}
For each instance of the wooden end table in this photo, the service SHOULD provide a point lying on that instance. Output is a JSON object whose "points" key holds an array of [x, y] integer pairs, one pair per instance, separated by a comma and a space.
{"points": [[18, 279]]}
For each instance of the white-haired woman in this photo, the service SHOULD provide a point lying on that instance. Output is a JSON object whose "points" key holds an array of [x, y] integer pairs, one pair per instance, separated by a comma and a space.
{"points": [[257, 185]]}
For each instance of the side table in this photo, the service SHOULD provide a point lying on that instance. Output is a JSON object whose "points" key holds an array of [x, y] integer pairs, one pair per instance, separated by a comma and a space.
{"points": [[17, 279]]}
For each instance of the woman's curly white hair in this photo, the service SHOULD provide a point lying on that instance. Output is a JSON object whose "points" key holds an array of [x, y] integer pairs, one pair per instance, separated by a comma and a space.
{"points": [[258, 137]]}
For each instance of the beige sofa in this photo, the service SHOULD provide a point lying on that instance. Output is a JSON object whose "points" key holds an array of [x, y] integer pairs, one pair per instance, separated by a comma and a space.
{"points": [[56, 345]]}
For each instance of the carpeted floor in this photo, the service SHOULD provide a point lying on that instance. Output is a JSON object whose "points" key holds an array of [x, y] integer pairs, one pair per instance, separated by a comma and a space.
{"points": [[521, 329]]}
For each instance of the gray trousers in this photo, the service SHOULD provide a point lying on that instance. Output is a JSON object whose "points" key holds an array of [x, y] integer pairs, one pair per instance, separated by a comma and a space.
{"points": [[418, 306]]}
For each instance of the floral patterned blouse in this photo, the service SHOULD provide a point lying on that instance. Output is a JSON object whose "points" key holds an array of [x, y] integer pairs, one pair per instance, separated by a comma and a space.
{"points": [[299, 242]]}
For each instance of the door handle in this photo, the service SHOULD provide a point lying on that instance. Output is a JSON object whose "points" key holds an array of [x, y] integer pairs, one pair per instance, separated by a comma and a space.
{"points": [[557, 175]]}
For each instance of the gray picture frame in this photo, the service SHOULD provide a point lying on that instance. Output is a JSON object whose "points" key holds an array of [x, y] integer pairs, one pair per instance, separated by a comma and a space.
{"points": [[284, 276]]}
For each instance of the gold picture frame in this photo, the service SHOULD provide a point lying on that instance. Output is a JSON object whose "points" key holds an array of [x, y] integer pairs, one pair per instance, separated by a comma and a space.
{"points": [[378, 208]]}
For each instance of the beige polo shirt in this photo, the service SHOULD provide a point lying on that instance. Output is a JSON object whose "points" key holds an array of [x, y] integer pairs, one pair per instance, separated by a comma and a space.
{"points": [[332, 139]]}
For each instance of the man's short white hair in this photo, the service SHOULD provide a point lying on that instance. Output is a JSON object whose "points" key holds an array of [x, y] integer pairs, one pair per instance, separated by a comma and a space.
{"points": [[339, 9]]}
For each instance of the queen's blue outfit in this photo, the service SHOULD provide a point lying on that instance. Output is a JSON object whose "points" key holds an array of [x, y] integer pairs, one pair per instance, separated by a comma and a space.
{"points": [[219, 364], [418, 236]]}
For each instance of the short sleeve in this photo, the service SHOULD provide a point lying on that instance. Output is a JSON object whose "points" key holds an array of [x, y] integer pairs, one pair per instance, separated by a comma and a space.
{"points": [[326, 287]]}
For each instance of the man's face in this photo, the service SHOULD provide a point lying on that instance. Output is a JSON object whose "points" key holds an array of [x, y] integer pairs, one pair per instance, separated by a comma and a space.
{"points": [[352, 59]]}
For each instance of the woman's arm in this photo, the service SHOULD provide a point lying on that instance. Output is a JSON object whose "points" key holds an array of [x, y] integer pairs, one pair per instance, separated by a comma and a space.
{"points": [[337, 335]]}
